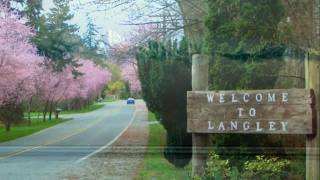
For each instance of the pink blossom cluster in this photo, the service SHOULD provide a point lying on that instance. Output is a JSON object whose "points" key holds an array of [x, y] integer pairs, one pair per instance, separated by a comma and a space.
{"points": [[130, 74], [23, 73], [60, 86], [93, 79], [18, 58]]}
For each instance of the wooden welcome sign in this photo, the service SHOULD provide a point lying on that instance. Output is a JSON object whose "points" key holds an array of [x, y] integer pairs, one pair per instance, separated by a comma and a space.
{"points": [[276, 111]]}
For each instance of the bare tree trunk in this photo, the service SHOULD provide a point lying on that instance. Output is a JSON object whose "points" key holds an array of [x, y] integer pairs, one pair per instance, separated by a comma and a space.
{"points": [[50, 110], [56, 112], [29, 111], [45, 111], [69, 105], [44, 115], [193, 14], [8, 126], [56, 115]]}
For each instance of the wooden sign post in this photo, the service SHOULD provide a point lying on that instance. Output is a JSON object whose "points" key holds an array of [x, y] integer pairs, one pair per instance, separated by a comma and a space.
{"points": [[200, 65], [312, 74]]}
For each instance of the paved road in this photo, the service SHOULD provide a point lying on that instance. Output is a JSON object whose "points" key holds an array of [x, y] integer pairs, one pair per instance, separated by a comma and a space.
{"points": [[47, 153]]}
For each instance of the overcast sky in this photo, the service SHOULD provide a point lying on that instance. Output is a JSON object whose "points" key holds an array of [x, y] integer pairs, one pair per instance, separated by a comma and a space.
{"points": [[109, 22]]}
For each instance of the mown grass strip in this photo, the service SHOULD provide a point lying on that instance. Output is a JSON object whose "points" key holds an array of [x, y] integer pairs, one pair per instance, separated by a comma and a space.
{"points": [[90, 108], [155, 166], [23, 129]]}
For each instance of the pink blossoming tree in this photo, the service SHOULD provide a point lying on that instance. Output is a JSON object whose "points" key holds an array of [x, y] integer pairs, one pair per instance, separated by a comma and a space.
{"points": [[24, 74], [57, 87], [130, 75], [18, 58]]}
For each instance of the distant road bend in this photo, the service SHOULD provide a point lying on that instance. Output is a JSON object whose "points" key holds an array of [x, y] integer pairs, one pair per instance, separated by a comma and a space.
{"points": [[45, 154]]}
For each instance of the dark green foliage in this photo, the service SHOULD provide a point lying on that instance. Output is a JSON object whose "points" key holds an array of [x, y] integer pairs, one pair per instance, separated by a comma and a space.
{"points": [[90, 36], [90, 44], [243, 26], [33, 11], [165, 75], [56, 37], [226, 74], [125, 92], [11, 113]]}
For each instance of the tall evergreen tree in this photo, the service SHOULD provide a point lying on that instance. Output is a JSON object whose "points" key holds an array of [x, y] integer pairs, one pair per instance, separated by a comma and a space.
{"points": [[90, 41], [33, 10], [57, 38], [90, 36]]}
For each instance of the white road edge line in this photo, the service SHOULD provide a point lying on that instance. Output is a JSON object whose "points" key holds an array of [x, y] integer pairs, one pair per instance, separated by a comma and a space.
{"points": [[111, 142]]}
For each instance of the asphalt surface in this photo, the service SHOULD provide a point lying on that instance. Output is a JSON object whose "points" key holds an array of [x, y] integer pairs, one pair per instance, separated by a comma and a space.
{"points": [[45, 154]]}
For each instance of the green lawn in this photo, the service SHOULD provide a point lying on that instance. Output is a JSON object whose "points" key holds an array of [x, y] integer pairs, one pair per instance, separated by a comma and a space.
{"points": [[155, 166], [24, 129], [84, 110], [109, 99]]}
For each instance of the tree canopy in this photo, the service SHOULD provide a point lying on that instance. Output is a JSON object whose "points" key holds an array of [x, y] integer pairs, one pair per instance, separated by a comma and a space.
{"points": [[57, 38], [243, 26]]}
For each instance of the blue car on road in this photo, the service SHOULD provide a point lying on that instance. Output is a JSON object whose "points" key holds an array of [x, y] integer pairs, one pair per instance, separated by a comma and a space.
{"points": [[130, 101]]}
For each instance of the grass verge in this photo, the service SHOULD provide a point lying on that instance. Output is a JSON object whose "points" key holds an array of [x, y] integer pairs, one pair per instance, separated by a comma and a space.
{"points": [[23, 129], [155, 166], [109, 99], [90, 108]]}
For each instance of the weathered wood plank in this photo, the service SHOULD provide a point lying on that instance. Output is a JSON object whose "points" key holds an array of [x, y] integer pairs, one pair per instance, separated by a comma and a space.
{"points": [[260, 111]]}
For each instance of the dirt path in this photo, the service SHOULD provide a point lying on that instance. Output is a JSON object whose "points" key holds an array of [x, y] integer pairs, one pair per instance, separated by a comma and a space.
{"points": [[121, 160]]}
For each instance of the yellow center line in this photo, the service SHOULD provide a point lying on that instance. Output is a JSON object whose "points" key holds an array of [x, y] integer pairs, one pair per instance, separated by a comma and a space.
{"points": [[60, 139]]}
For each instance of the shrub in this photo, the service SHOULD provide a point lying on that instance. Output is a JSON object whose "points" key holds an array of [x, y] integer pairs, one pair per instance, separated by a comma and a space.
{"points": [[265, 168], [260, 168]]}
